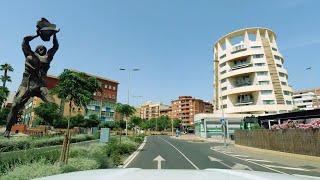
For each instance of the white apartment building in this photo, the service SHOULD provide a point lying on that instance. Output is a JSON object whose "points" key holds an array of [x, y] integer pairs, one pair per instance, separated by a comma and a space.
{"points": [[151, 110], [306, 99], [249, 76]]}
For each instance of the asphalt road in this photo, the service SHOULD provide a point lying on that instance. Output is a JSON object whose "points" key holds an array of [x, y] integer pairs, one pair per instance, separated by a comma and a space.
{"points": [[179, 154]]}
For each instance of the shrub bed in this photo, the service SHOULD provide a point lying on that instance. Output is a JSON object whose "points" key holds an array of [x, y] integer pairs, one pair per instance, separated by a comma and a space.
{"points": [[33, 163], [22, 143]]}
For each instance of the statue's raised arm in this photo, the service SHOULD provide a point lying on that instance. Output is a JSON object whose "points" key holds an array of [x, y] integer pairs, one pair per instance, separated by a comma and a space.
{"points": [[54, 48], [26, 46]]}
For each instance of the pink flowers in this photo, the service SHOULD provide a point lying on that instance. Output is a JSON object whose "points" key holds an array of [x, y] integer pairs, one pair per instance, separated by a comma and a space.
{"points": [[314, 124]]}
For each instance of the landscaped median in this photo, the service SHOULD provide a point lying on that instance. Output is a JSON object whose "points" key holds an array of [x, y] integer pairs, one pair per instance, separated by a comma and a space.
{"points": [[40, 162]]}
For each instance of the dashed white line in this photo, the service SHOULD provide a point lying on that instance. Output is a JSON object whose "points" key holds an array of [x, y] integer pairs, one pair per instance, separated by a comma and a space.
{"points": [[258, 160], [196, 167]]}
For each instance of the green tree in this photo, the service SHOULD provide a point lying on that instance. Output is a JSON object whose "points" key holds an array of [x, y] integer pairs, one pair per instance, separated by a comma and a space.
{"points": [[163, 123], [136, 122], [77, 121], [3, 115], [92, 121], [48, 112], [5, 77], [176, 123], [126, 111], [4, 92], [78, 89]]}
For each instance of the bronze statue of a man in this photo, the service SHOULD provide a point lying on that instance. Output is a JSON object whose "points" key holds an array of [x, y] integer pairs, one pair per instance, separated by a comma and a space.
{"points": [[37, 64]]}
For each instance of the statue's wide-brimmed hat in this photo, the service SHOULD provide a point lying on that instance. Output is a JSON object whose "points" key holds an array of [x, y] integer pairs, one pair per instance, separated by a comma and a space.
{"points": [[45, 25]]}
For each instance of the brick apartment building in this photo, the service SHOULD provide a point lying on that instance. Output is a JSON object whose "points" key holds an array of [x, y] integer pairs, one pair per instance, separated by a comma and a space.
{"points": [[103, 103], [186, 107]]}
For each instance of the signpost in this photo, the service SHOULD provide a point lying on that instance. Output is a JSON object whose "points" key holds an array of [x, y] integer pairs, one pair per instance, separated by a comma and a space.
{"points": [[104, 135]]}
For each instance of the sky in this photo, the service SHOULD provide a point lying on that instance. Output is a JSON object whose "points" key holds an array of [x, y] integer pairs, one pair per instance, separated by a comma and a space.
{"points": [[170, 41]]}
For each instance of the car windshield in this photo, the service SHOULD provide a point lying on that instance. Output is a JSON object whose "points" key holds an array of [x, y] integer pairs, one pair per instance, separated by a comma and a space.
{"points": [[171, 89]]}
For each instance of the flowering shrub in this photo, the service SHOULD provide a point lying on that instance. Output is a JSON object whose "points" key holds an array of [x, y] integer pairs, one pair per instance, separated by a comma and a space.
{"points": [[314, 124]]}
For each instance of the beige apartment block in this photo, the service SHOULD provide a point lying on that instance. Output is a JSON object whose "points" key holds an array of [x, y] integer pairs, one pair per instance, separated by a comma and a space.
{"points": [[151, 110], [249, 74], [307, 99]]}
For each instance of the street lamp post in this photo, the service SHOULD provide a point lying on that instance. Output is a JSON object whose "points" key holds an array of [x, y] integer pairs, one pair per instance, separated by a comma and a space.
{"points": [[128, 95]]}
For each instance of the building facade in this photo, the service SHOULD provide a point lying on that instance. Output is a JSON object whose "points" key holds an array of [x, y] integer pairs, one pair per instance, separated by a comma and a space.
{"points": [[307, 99], [185, 107], [102, 105], [249, 76], [151, 110]]}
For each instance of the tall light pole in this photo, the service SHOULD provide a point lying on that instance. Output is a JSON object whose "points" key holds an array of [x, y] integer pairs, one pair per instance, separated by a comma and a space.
{"points": [[128, 98], [315, 92]]}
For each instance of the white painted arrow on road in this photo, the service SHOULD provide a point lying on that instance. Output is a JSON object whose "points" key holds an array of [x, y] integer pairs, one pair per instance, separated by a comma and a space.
{"points": [[219, 161], [159, 159]]}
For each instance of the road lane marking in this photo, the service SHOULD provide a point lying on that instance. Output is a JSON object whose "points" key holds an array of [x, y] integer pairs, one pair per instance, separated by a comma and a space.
{"points": [[196, 167], [284, 167], [250, 162], [258, 160], [236, 155], [133, 155], [219, 161], [239, 166]]}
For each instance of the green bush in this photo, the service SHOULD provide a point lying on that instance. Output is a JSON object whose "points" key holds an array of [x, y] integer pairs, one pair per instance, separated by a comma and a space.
{"points": [[32, 170], [80, 164], [22, 143]]}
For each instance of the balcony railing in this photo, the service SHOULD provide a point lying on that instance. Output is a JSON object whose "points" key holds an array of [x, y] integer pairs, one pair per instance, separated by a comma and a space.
{"points": [[240, 66], [245, 103], [238, 48]]}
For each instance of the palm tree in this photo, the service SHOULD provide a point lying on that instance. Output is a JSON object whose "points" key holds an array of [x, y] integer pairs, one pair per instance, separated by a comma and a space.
{"points": [[5, 78], [126, 111]]}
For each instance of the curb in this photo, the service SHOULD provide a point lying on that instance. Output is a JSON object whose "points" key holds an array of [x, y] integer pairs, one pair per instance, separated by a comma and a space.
{"points": [[279, 153]]}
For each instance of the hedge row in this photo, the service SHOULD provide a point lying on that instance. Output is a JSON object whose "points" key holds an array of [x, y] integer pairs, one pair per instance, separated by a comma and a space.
{"points": [[22, 143]]}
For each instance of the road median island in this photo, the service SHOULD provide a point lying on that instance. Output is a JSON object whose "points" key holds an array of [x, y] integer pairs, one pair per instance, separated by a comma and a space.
{"points": [[28, 164]]}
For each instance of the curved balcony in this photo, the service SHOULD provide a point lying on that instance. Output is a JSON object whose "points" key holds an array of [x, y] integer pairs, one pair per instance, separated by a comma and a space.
{"points": [[243, 89], [246, 70], [258, 108]]}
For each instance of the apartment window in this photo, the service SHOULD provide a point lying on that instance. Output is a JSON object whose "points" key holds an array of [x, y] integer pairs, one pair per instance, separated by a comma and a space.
{"points": [[279, 65], [256, 56], [268, 102], [245, 98], [224, 106], [264, 82], [282, 74], [277, 57], [223, 80], [275, 49], [222, 72], [223, 56], [106, 86], [222, 64], [224, 88], [262, 73], [260, 64], [110, 87], [224, 97], [283, 83], [266, 92], [255, 47], [286, 93], [289, 102], [114, 88]]}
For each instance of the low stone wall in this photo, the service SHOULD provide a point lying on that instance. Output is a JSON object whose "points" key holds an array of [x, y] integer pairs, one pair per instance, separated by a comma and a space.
{"points": [[297, 141]]}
